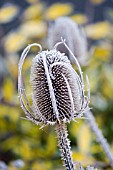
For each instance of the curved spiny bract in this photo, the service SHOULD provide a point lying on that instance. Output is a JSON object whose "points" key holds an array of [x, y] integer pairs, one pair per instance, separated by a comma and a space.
{"points": [[21, 89]]}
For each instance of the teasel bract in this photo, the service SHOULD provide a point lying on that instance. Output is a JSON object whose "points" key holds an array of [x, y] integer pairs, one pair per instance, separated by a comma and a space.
{"points": [[57, 93]]}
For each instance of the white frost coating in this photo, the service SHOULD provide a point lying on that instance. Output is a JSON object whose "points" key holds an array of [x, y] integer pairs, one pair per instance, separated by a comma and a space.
{"points": [[70, 96], [51, 90], [21, 89], [38, 111], [78, 80], [23, 56], [73, 80], [75, 59], [58, 43], [64, 145], [68, 66]]}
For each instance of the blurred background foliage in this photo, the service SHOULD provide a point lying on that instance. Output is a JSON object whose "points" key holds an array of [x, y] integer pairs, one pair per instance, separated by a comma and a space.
{"points": [[22, 144]]}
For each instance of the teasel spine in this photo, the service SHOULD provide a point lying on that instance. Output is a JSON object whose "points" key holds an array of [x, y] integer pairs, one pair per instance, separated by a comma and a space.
{"points": [[64, 145]]}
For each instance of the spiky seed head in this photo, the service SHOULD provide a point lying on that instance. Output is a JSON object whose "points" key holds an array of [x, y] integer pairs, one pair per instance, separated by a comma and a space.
{"points": [[75, 37], [58, 90], [55, 89]]}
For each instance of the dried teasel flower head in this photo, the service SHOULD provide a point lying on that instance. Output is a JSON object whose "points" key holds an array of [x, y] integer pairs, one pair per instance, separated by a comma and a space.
{"points": [[75, 37], [58, 90]]}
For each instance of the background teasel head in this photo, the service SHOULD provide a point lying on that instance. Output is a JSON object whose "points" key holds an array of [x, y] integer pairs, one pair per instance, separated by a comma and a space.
{"points": [[57, 89], [74, 35]]}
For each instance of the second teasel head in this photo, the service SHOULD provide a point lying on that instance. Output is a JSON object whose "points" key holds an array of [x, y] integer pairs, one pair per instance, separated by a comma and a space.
{"points": [[57, 89]]}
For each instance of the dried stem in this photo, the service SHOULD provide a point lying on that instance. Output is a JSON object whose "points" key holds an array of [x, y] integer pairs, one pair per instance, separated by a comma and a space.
{"points": [[100, 138], [64, 145]]}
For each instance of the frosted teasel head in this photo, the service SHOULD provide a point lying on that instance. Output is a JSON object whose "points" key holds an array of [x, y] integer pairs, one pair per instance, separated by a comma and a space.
{"points": [[57, 89], [75, 37]]}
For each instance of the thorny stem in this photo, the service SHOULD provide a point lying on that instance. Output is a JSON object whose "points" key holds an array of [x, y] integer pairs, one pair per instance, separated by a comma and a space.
{"points": [[100, 138], [64, 145]]}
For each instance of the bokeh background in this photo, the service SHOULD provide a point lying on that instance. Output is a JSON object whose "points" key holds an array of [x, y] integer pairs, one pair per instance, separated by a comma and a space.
{"points": [[22, 144]]}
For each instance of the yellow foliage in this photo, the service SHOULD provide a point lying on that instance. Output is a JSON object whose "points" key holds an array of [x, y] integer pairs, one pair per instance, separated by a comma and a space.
{"points": [[32, 1], [84, 139], [28, 61], [73, 128], [8, 13], [33, 11], [78, 156], [80, 18], [98, 30], [10, 143], [14, 114], [107, 73], [8, 89], [107, 82], [41, 165], [96, 149], [3, 126], [51, 145], [57, 10], [82, 158], [10, 112], [3, 111], [35, 28], [93, 76], [96, 2], [102, 53], [26, 125], [12, 63], [12, 168], [24, 150], [14, 42]]}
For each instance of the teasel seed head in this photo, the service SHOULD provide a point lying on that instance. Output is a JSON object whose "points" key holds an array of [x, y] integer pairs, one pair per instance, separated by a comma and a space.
{"points": [[57, 89], [75, 37]]}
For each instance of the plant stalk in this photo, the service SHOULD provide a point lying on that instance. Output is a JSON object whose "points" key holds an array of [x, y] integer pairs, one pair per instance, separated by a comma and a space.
{"points": [[100, 138], [64, 145]]}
